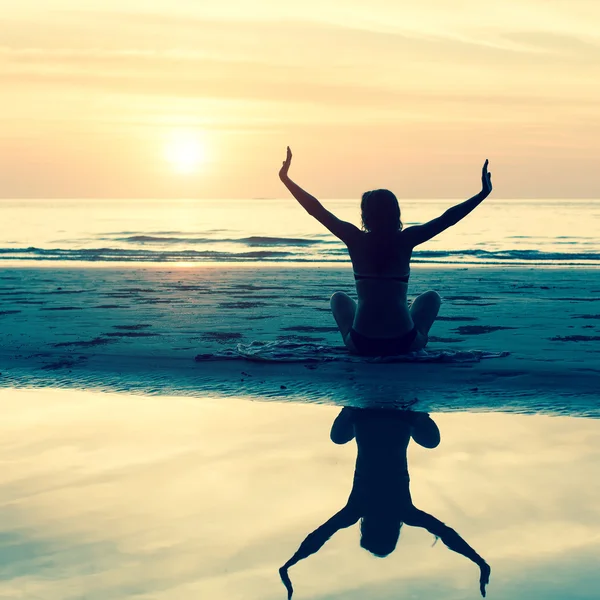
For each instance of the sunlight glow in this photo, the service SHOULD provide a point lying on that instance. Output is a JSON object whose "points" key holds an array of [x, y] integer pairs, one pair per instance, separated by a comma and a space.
{"points": [[185, 151]]}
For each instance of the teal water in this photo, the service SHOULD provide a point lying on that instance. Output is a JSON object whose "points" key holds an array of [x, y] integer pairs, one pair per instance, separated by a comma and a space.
{"points": [[549, 232]]}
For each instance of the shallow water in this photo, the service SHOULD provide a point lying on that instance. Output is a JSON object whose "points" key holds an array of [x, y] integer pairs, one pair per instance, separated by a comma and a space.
{"points": [[498, 232], [119, 496]]}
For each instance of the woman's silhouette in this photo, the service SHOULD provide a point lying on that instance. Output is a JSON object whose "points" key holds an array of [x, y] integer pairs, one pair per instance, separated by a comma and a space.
{"points": [[380, 496], [383, 323]]}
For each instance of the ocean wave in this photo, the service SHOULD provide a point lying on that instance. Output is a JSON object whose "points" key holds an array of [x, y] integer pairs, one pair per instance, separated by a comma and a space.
{"points": [[308, 254], [511, 255], [123, 254], [256, 240]]}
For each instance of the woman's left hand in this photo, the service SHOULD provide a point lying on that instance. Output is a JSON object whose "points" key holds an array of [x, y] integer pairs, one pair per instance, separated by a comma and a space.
{"points": [[486, 179], [283, 172], [484, 578]]}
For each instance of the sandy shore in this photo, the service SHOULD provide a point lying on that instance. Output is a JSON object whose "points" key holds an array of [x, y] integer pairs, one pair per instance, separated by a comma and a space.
{"points": [[139, 329]]}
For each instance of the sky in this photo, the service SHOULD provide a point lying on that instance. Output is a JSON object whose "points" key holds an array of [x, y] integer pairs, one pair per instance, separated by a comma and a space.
{"points": [[198, 99]]}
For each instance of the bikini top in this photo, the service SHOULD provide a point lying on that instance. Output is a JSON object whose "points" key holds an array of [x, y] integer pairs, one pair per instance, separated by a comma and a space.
{"points": [[402, 278]]}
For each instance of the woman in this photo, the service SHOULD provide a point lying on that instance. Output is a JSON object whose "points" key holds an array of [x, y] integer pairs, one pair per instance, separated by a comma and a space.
{"points": [[382, 323], [380, 496]]}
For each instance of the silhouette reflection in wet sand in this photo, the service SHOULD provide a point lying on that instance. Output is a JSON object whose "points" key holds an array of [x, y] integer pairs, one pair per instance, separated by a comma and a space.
{"points": [[380, 497]]}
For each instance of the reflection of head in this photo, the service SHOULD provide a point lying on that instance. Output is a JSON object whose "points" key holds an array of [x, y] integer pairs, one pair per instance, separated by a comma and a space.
{"points": [[379, 532]]}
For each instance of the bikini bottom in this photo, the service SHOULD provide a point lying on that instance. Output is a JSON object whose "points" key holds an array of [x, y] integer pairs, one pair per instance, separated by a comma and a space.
{"points": [[368, 346]]}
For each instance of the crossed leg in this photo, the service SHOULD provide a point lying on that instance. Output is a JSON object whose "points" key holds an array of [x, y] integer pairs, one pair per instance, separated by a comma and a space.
{"points": [[344, 309], [423, 312]]}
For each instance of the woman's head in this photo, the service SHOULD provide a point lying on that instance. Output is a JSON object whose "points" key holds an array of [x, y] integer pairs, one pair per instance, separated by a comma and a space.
{"points": [[379, 533], [380, 211]]}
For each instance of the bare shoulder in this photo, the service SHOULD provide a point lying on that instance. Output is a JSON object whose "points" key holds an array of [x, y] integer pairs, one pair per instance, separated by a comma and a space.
{"points": [[410, 235]]}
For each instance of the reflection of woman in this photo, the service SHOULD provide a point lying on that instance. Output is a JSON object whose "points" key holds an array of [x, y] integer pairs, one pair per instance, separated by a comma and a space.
{"points": [[382, 323], [380, 496]]}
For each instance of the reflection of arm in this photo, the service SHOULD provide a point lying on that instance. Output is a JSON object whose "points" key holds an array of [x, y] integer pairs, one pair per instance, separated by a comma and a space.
{"points": [[419, 518], [315, 541], [342, 430]]}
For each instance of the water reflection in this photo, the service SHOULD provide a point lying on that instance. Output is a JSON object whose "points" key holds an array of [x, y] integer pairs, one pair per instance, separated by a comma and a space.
{"points": [[124, 497], [380, 498]]}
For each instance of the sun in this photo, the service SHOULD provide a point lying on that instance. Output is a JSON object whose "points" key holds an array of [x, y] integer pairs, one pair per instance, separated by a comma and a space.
{"points": [[185, 151]]}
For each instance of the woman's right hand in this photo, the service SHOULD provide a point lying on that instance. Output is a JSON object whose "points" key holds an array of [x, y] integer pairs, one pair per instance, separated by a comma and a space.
{"points": [[283, 172], [285, 579], [486, 180]]}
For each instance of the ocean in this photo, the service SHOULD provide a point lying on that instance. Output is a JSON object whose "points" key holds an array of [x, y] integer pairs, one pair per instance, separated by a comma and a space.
{"points": [[499, 232]]}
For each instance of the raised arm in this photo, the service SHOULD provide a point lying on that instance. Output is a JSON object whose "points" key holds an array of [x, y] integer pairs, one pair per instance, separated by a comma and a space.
{"points": [[421, 233], [419, 518], [315, 541], [341, 229]]}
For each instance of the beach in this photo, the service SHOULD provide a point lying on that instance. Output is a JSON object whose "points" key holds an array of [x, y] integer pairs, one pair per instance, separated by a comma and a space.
{"points": [[139, 328]]}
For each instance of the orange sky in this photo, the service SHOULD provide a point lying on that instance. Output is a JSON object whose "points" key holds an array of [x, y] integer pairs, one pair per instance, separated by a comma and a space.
{"points": [[411, 96]]}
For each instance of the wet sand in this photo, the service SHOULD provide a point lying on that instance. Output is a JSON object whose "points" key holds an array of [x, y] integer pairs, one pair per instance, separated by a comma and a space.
{"points": [[139, 329]]}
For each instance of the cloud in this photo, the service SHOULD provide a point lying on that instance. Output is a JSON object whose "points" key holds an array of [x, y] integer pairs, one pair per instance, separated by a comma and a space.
{"points": [[561, 47], [187, 74]]}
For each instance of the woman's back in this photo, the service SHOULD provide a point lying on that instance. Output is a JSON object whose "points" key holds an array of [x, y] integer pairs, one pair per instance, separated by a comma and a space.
{"points": [[381, 264]]}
